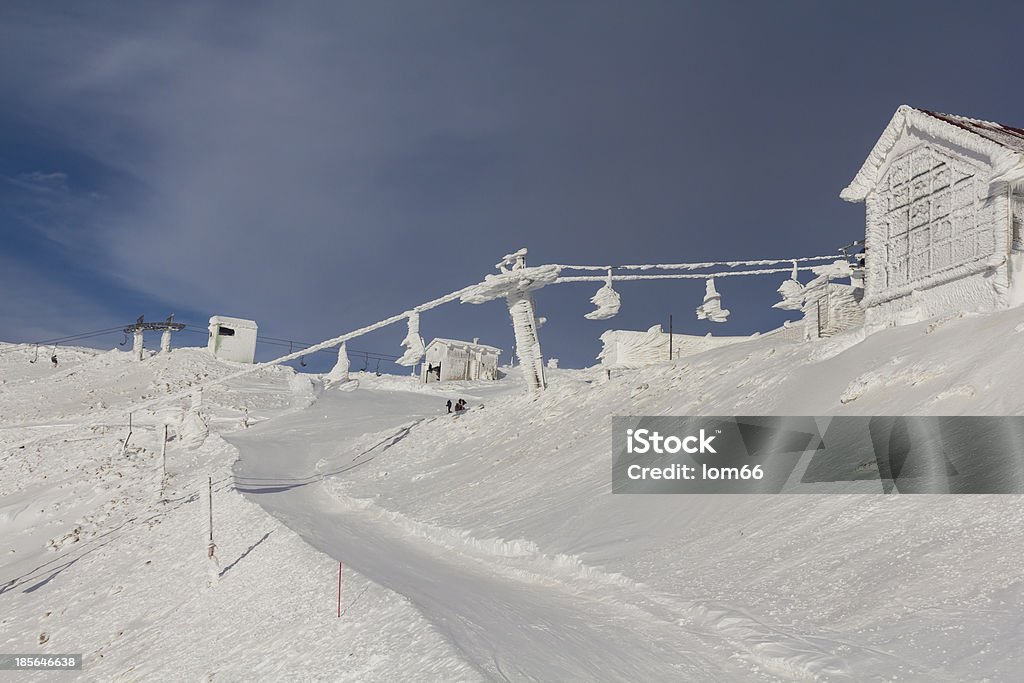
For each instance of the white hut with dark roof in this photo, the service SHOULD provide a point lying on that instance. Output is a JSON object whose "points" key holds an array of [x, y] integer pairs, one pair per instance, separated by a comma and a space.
{"points": [[944, 199], [451, 360]]}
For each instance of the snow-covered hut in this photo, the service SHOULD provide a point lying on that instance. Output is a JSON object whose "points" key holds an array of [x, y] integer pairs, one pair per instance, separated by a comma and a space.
{"points": [[232, 338], [448, 360], [944, 199]]}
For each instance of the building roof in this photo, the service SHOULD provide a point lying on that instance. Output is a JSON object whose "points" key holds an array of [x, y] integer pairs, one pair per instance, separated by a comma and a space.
{"points": [[465, 344], [233, 322], [1002, 145], [1005, 136]]}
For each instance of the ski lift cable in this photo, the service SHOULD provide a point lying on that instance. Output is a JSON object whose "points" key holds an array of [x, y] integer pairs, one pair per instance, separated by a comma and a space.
{"points": [[677, 276], [62, 340], [250, 369], [706, 264], [276, 341], [72, 337]]}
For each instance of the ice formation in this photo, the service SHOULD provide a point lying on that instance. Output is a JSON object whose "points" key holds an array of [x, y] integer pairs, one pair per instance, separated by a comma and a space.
{"points": [[507, 283], [712, 309], [524, 324], [792, 293], [515, 281], [194, 425], [339, 373], [607, 301], [413, 343]]}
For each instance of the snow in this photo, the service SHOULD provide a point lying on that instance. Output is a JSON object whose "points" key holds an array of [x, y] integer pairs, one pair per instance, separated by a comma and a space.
{"points": [[489, 546]]}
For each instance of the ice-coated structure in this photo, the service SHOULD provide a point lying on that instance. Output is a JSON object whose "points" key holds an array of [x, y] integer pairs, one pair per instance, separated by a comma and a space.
{"points": [[607, 301], [632, 349], [944, 198], [516, 283], [232, 338], [413, 343], [451, 360], [712, 309], [339, 373]]}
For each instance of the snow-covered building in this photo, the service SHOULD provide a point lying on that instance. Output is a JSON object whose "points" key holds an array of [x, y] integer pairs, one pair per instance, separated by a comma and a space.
{"points": [[631, 349], [447, 360], [232, 339], [944, 199]]}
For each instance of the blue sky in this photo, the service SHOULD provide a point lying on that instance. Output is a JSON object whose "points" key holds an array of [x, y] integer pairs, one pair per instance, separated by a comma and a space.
{"points": [[317, 166]]}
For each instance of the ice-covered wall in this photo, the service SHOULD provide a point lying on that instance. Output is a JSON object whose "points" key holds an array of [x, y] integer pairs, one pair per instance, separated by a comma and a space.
{"points": [[938, 221], [459, 361], [627, 348], [232, 338]]}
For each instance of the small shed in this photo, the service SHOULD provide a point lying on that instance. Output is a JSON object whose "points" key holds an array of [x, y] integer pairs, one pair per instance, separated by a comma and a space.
{"points": [[232, 338], [944, 198], [451, 360]]}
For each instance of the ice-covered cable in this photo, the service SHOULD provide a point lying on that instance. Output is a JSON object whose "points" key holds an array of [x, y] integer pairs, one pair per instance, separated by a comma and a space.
{"points": [[161, 400], [676, 276], [706, 264]]}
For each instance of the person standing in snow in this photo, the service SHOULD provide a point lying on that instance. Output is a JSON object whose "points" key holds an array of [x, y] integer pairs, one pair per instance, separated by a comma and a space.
{"points": [[449, 405], [53, 359]]}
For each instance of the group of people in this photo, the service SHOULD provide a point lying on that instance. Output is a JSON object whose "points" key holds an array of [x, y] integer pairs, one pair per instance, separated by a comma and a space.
{"points": [[460, 406]]}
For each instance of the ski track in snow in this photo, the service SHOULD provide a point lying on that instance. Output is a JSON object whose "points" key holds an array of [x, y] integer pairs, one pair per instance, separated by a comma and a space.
{"points": [[513, 612], [508, 624]]}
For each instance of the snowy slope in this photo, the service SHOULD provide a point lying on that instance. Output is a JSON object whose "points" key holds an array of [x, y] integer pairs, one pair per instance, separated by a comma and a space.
{"points": [[816, 587], [489, 546], [93, 562]]}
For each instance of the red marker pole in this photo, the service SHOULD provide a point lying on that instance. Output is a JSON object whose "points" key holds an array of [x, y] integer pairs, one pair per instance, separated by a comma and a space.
{"points": [[339, 590]]}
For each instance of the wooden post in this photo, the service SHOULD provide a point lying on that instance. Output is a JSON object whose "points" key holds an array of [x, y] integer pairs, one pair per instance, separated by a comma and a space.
{"points": [[210, 546], [339, 589], [163, 464], [124, 446]]}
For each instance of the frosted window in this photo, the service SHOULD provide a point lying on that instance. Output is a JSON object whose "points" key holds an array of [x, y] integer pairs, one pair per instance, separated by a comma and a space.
{"points": [[934, 216]]}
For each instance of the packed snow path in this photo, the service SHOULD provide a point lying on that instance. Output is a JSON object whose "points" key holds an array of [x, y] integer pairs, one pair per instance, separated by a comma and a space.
{"points": [[507, 627]]}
